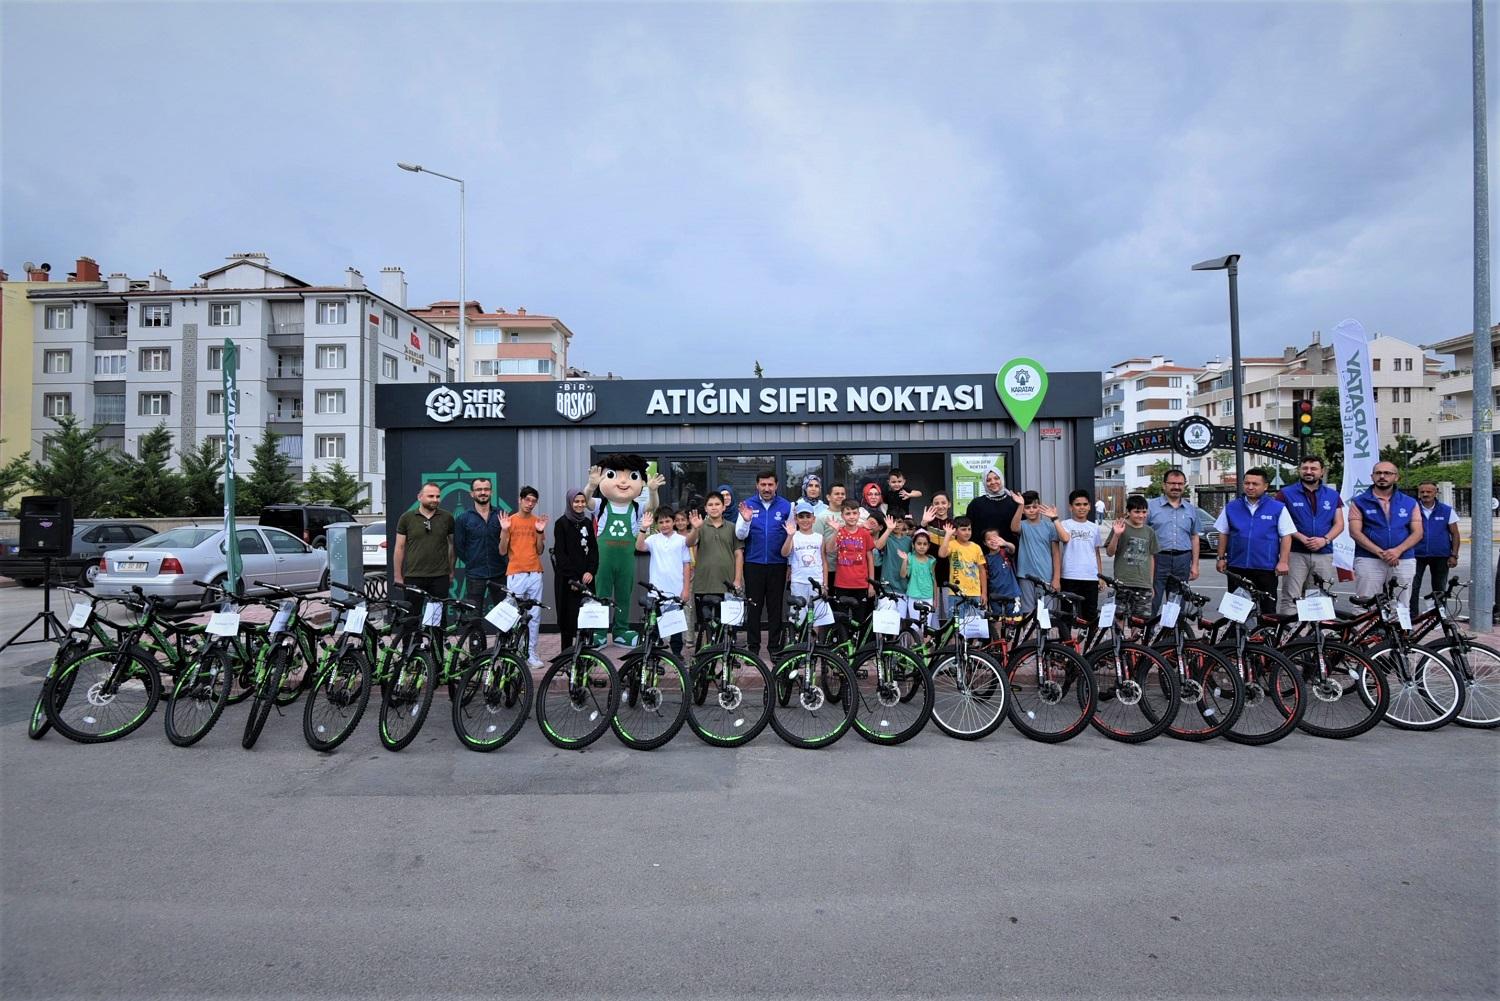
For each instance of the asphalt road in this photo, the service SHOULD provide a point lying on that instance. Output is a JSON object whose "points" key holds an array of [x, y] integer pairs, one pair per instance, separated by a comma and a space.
{"points": [[1311, 868]]}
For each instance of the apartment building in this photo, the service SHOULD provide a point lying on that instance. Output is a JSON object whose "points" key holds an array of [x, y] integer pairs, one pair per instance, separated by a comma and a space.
{"points": [[1455, 391], [139, 352], [1140, 394], [505, 346]]}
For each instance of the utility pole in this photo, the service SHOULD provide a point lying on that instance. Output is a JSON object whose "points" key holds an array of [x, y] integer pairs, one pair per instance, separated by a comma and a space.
{"points": [[1481, 549]]}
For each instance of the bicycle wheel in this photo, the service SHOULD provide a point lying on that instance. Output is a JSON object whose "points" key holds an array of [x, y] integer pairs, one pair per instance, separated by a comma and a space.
{"points": [[199, 697], [811, 718], [577, 699], [407, 698], [1480, 667], [52, 688], [895, 695], [1274, 697], [337, 701], [970, 693], [1138, 692], [1427, 691], [653, 703], [1212, 696], [737, 702], [1346, 695], [471, 643], [1052, 694], [104, 695], [264, 697], [493, 702]]}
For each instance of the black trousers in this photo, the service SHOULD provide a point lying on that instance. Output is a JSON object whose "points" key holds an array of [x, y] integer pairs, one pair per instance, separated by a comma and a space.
{"points": [[1088, 608], [1264, 580], [765, 587], [566, 601], [433, 587], [484, 592], [1438, 567]]}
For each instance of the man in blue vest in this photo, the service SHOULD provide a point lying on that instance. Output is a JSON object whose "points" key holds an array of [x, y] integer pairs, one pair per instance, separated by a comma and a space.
{"points": [[1437, 553], [1318, 513], [1386, 526], [762, 527], [1255, 537]]}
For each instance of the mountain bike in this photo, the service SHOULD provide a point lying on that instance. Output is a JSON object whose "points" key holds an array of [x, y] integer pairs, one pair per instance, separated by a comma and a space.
{"points": [[579, 694], [895, 690], [1426, 689], [202, 688], [290, 642], [1052, 690], [1479, 663], [493, 698], [1139, 691], [653, 685], [729, 699], [342, 681], [1212, 695], [85, 629], [1274, 697], [813, 682], [107, 693]]}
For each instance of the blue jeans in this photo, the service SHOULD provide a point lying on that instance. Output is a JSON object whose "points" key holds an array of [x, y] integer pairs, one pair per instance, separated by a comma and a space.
{"points": [[1178, 566]]}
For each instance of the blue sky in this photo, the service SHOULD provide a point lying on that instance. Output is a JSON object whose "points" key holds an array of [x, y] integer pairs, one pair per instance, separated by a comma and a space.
{"points": [[828, 189]]}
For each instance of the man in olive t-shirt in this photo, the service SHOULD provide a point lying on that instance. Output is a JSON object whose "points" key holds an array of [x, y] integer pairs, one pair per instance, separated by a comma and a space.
{"points": [[424, 545]]}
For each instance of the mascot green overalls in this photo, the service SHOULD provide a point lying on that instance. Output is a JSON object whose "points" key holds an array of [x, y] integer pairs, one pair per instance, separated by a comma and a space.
{"points": [[621, 481]]}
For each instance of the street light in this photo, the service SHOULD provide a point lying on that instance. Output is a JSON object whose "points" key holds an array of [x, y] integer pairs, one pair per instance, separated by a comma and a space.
{"points": [[1232, 265], [463, 308]]}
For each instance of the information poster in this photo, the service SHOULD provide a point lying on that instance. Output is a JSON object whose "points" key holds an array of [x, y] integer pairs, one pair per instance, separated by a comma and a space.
{"points": [[968, 477]]}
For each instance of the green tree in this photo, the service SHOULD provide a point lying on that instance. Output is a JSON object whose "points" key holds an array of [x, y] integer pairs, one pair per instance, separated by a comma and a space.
{"points": [[150, 488], [760, 373], [1159, 470], [1406, 452], [14, 476], [337, 486], [201, 468], [1328, 434], [270, 480], [77, 465]]}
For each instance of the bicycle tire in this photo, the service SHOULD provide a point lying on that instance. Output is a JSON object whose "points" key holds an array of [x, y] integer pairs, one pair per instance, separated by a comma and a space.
{"points": [[572, 716], [472, 647], [1479, 665], [286, 696], [1343, 704], [126, 715], [407, 699], [649, 715], [1212, 695], [1133, 707], [894, 714], [337, 701], [51, 690], [1052, 697], [198, 697], [264, 697], [1429, 698], [737, 703], [970, 693], [803, 721], [1275, 697], [494, 702]]}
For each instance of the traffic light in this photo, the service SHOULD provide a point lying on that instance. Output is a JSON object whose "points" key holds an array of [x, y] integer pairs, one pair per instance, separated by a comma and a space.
{"points": [[1304, 419]]}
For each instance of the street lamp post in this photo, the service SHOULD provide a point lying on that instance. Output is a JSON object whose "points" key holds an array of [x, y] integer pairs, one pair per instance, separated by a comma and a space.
{"points": [[463, 308], [1232, 265]]}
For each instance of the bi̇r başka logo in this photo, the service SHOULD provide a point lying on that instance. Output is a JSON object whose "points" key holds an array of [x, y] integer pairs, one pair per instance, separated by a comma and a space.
{"points": [[575, 401]]}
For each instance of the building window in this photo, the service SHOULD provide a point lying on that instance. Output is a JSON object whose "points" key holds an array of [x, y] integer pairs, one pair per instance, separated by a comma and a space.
{"points": [[543, 366], [57, 362], [156, 404], [109, 409], [57, 405], [487, 366], [515, 338], [329, 401], [433, 377], [58, 318], [110, 363], [1375, 364], [330, 356], [156, 316], [156, 359], [434, 347], [1375, 395], [1406, 425], [1395, 425], [215, 405], [1405, 394], [389, 366], [388, 324], [1174, 404], [224, 314], [330, 311], [215, 357], [486, 335], [1175, 382], [329, 446], [216, 445]]}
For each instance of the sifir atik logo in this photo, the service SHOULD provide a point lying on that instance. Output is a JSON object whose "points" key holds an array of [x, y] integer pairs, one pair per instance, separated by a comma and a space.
{"points": [[445, 404]]}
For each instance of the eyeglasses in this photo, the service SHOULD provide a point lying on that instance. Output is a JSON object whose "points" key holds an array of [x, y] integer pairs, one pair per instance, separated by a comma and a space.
{"points": [[427, 524]]}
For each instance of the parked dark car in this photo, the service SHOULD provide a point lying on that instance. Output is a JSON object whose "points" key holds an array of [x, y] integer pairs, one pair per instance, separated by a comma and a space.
{"points": [[1208, 536], [308, 522], [92, 538]]}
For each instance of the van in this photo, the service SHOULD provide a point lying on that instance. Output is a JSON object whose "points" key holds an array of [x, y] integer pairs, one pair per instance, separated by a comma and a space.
{"points": [[308, 522]]}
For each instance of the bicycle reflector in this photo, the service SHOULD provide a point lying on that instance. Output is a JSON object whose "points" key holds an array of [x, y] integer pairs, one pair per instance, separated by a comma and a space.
{"points": [[1304, 419]]}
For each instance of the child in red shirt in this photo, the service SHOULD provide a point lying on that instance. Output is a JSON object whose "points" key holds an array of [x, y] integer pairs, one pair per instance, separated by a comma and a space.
{"points": [[853, 548]]}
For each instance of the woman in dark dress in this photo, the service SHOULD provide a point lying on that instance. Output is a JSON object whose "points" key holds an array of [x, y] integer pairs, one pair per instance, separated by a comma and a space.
{"points": [[995, 509], [575, 557]]}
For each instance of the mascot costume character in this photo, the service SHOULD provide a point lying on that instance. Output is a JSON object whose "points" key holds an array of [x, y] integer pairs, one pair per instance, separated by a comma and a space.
{"points": [[622, 505]]}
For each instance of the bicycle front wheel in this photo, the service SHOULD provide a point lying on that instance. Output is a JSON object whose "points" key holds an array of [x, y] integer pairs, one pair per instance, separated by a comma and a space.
{"points": [[1052, 693], [1274, 697], [970, 693], [577, 699], [337, 701], [1212, 694], [895, 695], [811, 719], [52, 688], [1427, 691], [406, 700], [1480, 667], [736, 702], [1346, 694], [103, 695], [494, 699], [653, 700], [1138, 692], [199, 697], [276, 659]]}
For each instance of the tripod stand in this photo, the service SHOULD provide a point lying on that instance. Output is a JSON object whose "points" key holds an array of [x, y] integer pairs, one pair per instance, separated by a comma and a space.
{"points": [[52, 630]]}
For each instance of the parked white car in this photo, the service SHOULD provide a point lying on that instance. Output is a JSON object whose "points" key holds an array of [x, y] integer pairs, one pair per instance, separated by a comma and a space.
{"points": [[376, 553], [166, 564]]}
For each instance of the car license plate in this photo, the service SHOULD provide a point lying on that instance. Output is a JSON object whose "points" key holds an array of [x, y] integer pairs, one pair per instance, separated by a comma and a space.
{"points": [[130, 567], [372, 550]]}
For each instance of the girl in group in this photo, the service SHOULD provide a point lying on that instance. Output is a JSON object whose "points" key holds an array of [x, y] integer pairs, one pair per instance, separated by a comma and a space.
{"points": [[937, 519], [919, 567], [575, 557]]}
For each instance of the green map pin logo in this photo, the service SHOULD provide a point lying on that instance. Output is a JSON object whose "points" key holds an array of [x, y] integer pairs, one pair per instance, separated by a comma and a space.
{"points": [[1022, 384]]}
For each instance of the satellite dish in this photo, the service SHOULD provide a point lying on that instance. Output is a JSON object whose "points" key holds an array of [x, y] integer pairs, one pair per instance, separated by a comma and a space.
{"points": [[46, 266]]}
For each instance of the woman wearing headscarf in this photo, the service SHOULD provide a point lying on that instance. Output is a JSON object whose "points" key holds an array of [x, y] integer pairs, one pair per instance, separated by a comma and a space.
{"points": [[996, 508], [575, 557], [812, 493]]}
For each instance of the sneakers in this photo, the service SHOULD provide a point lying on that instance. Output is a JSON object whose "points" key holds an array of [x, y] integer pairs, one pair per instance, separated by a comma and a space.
{"points": [[535, 664]]}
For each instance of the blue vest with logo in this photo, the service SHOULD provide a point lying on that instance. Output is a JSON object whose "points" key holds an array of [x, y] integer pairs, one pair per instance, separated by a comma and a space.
{"points": [[1313, 519], [1254, 537], [1385, 533], [1436, 540]]}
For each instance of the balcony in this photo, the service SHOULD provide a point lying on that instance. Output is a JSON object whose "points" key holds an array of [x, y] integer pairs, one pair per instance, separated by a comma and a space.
{"points": [[1116, 396], [1112, 425], [285, 335]]}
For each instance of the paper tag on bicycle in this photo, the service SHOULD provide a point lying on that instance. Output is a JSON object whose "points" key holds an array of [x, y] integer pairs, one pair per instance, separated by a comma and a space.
{"points": [[224, 623], [732, 612], [975, 627], [283, 617], [593, 615], [1043, 616], [1403, 616], [504, 616], [81, 613], [886, 620], [1169, 612], [1107, 615], [669, 624], [822, 613], [432, 613], [355, 621], [1236, 607], [1317, 608]]}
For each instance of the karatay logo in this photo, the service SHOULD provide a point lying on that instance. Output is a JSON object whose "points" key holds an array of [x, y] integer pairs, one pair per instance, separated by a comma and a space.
{"points": [[445, 404], [1023, 382]]}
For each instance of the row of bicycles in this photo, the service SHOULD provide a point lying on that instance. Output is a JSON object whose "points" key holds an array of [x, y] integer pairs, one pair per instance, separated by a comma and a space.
{"points": [[884, 671]]}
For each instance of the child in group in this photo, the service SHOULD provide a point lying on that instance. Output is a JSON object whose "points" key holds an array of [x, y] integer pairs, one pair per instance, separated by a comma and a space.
{"points": [[919, 569], [682, 524], [1134, 548], [671, 570], [897, 497], [1038, 555], [854, 550], [1082, 563], [893, 556], [1001, 587], [803, 549], [718, 559], [966, 567]]}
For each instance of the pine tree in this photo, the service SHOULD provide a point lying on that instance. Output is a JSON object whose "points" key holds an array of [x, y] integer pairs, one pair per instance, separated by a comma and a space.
{"points": [[201, 467], [150, 487], [14, 476], [337, 486], [77, 465], [1328, 431], [270, 480]]}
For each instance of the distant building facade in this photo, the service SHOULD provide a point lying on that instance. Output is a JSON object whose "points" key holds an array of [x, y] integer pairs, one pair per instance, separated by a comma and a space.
{"points": [[505, 346], [1140, 394]]}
